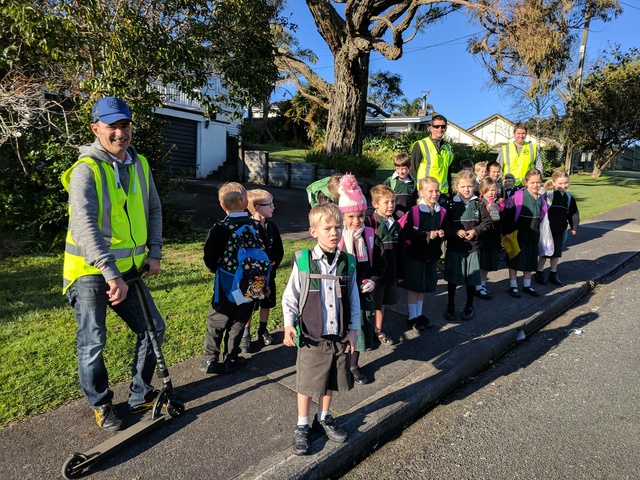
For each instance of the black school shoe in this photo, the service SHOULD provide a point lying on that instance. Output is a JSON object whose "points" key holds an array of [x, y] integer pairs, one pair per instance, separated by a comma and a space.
{"points": [[531, 291], [514, 292], [483, 294], [232, 364], [359, 377], [468, 313], [539, 278], [329, 427], [553, 278], [301, 440]]}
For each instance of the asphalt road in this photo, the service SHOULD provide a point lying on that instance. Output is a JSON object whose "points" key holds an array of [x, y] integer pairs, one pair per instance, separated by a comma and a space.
{"points": [[565, 404]]}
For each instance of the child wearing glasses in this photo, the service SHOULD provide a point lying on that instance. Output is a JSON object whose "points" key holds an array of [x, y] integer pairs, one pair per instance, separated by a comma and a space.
{"points": [[261, 207]]}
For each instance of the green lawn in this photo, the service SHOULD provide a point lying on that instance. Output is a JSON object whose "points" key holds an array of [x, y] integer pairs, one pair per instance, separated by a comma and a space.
{"points": [[37, 327], [278, 153]]}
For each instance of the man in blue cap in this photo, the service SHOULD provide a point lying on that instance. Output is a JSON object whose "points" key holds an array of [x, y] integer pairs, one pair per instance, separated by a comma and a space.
{"points": [[115, 227]]}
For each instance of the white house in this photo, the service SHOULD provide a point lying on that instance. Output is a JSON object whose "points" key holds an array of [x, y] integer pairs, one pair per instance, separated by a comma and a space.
{"points": [[195, 143], [398, 125]]}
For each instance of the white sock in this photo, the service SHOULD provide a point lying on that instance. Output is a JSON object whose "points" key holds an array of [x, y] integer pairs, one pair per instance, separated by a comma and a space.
{"points": [[246, 331], [513, 283], [322, 415], [483, 283], [303, 420], [479, 287], [413, 308], [419, 308], [526, 282]]}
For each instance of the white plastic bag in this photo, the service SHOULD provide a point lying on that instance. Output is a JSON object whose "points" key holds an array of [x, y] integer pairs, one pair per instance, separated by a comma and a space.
{"points": [[545, 245]]}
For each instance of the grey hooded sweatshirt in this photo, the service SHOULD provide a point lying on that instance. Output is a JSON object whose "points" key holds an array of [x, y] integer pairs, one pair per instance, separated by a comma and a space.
{"points": [[83, 200]]}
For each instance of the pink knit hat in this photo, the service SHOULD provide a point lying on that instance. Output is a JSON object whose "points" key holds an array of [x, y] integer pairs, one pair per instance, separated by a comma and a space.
{"points": [[351, 197]]}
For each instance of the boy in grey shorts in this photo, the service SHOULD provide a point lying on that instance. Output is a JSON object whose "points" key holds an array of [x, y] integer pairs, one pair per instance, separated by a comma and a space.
{"points": [[322, 323]]}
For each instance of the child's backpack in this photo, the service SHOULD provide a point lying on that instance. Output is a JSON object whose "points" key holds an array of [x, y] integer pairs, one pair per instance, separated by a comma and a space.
{"points": [[302, 258], [243, 273], [415, 217], [319, 186]]}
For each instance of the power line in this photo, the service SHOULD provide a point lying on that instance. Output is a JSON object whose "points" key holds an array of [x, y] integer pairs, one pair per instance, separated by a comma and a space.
{"points": [[629, 5]]}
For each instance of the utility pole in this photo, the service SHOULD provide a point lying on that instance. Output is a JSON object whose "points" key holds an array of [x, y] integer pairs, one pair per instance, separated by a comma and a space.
{"points": [[583, 50]]}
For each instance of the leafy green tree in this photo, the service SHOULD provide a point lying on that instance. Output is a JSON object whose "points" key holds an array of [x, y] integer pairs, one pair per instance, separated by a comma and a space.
{"points": [[604, 117], [410, 108], [533, 34], [78, 51], [384, 91]]}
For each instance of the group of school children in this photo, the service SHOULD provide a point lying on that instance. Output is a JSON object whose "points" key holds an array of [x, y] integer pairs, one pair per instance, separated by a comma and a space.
{"points": [[334, 301]]}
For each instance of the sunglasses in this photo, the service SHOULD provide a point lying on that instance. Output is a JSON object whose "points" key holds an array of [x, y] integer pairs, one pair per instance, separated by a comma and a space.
{"points": [[442, 127], [265, 204]]}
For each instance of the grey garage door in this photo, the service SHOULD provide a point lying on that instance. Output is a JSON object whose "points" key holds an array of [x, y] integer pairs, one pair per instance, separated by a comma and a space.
{"points": [[180, 140]]}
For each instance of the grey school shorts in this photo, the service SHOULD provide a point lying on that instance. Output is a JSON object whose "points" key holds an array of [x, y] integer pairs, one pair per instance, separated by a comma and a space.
{"points": [[322, 366]]}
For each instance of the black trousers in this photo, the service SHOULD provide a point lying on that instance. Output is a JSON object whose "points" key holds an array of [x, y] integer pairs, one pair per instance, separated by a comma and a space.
{"points": [[225, 321]]}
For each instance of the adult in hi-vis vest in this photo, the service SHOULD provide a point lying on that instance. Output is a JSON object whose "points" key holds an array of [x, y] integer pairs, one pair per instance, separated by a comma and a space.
{"points": [[518, 157], [432, 157], [115, 227]]}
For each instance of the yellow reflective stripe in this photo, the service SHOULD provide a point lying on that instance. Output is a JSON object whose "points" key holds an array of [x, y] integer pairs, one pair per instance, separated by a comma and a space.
{"points": [[144, 184]]}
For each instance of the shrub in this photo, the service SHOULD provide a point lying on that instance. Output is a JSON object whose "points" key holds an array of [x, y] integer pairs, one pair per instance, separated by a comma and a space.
{"points": [[360, 165]]}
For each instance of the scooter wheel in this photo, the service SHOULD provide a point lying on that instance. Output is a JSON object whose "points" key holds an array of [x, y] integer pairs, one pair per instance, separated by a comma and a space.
{"points": [[175, 408], [69, 468]]}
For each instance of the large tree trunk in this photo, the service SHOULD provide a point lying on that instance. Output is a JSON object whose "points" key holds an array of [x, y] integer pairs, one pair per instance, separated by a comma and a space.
{"points": [[345, 125]]}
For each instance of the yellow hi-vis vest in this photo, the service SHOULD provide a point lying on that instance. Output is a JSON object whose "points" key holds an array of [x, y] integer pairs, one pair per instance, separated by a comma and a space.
{"points": [[435, 164], [518, 165], [122, 219]]}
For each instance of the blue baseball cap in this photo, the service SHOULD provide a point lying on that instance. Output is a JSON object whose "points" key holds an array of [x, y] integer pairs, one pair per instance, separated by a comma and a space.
{"points": [[109, 110]]}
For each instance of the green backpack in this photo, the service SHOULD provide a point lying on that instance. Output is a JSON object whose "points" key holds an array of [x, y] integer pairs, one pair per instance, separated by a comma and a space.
{"points": [[319, 186], [303, 261]]}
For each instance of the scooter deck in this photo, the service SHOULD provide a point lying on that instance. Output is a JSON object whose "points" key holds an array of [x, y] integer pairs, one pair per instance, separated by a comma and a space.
{"points": [[88, 458]]}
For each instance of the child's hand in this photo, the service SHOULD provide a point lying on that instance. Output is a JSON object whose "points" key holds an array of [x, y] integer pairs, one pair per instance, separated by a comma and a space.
{"points": [[433, 234], [290, 336], [367, 286], [461, 233], [441, 233], [352, 340], [573, 232], [469, 234]]}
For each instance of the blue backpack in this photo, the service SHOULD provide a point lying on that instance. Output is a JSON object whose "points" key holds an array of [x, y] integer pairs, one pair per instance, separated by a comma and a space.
{"points": [[243, 273]]}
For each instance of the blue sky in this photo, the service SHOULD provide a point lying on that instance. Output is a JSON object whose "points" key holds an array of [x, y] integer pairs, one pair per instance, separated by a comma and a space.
{"points": [[457, 84]]}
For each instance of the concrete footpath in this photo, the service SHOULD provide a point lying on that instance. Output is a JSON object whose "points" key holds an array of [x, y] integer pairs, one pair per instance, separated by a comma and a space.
{"points": [[240, 426]]}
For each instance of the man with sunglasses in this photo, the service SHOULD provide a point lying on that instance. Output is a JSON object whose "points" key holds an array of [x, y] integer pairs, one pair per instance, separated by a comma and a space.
{"points": [[432, 156]]}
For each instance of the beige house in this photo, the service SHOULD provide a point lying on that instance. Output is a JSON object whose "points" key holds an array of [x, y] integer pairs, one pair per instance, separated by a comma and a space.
{"points": [[497, 130]]}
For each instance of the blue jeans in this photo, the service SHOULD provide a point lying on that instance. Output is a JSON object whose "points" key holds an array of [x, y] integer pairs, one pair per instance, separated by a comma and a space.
{"points": [[88, 297]]}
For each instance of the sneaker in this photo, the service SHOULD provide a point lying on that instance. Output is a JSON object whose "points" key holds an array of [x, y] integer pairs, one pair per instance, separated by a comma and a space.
{"points": [[210, 366], [514, 292], [301, 441], [245, 343], [531, 291], [359, 377], [149, 400], [450, 314], [468, 313], [539, 278], [107, 418], [329, 427], [232, 364], [483, 293], [267, 339], [553, 278]]}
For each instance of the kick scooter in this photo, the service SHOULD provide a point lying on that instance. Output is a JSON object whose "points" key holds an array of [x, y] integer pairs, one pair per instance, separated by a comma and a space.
{"points": [[77, 464]]}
